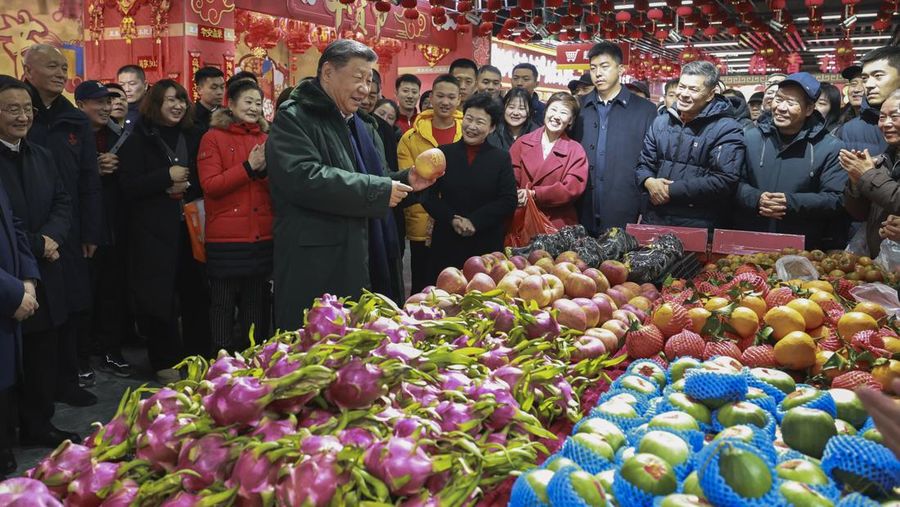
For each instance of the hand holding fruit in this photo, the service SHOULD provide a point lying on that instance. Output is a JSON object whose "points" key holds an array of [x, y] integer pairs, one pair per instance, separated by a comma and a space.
{"points": [[890, 228], [257, 157], [856, 163], [659, 190], [885, 411], [431, 164], [419, 182], [399, 191]]}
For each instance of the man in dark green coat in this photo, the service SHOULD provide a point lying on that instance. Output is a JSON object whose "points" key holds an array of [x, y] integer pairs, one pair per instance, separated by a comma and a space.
{"points": [[332, 191]]}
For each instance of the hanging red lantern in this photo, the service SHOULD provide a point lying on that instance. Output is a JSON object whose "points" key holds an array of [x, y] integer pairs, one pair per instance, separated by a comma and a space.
{"points": [[537, 21], [552, 4], [494, 5], [526, 5], [411, 14], [655, 14], [709, 9], [684, 11], [509, 24], [485, 29], [733, 31], [575, 10], [661, 35], [710, 31], [777, 5], [488, 17], [463, 6], [584, 36], [438, 11], [812, 5], [516, 12], [382, 6], [881, 25], [689, 31], [566, 21], [623, 17], [554, 27], [743, 9], [408, 4]]}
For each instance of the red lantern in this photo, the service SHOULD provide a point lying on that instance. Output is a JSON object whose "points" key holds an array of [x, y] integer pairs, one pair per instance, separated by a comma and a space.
{"points": [[575, 10], [382, 6], [526, 5], [623, 17], [411, 14], [655, 14], [684, 11], [488, 17], [641, 5], [464, 6], [516, 12], [812, 5], [709, 9], [733, 31], [585, 36], [485, 29], [509, 24], [777, 5], [537, 21], [689, 31], [408, 4], [710, 31], [566, 21], [881, 25], [553, 4]]}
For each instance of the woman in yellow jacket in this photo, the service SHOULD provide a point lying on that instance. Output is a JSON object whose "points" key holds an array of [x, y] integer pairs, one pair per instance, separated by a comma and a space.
{"points": [[433, 127]]}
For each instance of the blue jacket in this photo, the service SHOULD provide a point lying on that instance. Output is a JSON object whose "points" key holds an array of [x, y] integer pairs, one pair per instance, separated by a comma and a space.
{"points": [[66, 133], [629, 122], [806, 170], [862, 133], [537, 109], [704, 158], [16, 264]]}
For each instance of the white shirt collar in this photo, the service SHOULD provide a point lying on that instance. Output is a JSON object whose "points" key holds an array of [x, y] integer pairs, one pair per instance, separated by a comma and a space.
{"points": [[12, 147]]}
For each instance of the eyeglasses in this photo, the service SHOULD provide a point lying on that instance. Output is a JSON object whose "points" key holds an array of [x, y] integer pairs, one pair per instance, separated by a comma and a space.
{"points": [[778, 100], [16, 110]]}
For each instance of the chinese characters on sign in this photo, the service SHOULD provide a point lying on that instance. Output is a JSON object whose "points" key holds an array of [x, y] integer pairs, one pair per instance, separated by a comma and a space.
{"points": [[148, 62], [210, 33]]}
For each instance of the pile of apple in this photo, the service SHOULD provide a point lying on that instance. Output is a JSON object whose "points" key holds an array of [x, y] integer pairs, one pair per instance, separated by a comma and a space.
{"points": [[597, 301], [831, 265], [762, 441]]}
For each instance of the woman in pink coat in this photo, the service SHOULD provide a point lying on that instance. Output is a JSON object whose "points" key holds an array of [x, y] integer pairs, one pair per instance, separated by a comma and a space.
{"points": [[550, 167]]}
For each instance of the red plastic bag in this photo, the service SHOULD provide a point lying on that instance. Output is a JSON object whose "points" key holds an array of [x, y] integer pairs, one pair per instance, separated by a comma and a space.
{"points": [[527, 222], [195, 219]]}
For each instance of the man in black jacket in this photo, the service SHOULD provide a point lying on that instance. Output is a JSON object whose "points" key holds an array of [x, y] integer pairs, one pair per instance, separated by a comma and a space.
{"points": [[133, 80], [64, 130], [210, 83], [881, 76], [692, 159]]}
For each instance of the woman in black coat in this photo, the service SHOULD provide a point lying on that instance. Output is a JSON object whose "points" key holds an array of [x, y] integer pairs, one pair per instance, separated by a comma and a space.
{"points": [[516, 120], [471, 203], [158, 175]]}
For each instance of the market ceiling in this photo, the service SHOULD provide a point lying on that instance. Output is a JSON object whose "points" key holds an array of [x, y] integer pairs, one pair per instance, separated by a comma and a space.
{"points": [[732, 30]]}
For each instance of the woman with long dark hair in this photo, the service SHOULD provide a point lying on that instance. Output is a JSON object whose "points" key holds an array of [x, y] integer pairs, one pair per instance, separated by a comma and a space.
{"points": [[516, 119], [158, 176], [829, 106]]}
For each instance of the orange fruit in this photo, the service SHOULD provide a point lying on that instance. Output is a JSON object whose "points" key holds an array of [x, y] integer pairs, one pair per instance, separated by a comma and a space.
{"points": [[784, 320], [851, 323], [820, 296], [811, 312], [796, 283], [755, 303], [818, 333], [819, 285], [796, 350], [698, 318], [892, 344], [822, 357], [744, 321], [641, 303], [874, 309], [886, 373], [714, 303]]}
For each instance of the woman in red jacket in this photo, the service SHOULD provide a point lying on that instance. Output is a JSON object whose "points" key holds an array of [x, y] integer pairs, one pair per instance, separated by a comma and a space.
{"points": [[550, 167], [232, 170]]}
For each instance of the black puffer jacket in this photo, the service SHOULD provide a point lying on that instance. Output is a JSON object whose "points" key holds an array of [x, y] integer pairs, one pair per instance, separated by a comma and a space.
{"points": [[704, 159], [806, 170], [740, 111], [862, 133]]}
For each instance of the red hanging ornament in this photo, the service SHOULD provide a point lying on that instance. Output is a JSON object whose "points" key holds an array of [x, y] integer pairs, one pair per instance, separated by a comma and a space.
{"points": [[812, 5], [462, 6], [689, 31], [623, 17], [684, 11], [526, 5], [710, 31], [382, 6], [408, 4], [881, 25], [655, 14]]}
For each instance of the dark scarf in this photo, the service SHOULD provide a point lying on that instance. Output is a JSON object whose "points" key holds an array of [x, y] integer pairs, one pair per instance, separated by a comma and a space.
{"points": [[383, 241]]}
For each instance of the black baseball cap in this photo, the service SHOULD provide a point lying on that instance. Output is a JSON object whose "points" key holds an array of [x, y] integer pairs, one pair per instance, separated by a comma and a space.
{"points": [[584, 80], [804, 80], [852, 72], [756, 97], [639, 86], [88, 90]]}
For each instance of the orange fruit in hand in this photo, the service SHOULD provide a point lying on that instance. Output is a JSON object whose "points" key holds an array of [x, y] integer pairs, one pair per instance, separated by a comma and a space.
{"points": [[755, 303], [744, 321], [796, 351], [714, 303], [812, 313], [851, 323], [784, 320], [698, 317], [874, 309]]}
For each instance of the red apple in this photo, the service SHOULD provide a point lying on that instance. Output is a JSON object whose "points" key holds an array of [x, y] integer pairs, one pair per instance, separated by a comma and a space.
{"points": [[519, 261], [640, 314], [481, 282], [632, 287], [618, 296], [416, 298], [591, 312], [535, 270], [545, 263], [500, 269], [535, 255], [588, 347], [563, 270], [606, 305], [499, 256], [624, 316], [452, 280], [477, 264], [557, 289], [651, 294], [581, 265], [615, 271], [567, 256], [570, 314], [535, 288], [579, 286], [511, 282], [617, 327], [598, 278], [609, 338]]}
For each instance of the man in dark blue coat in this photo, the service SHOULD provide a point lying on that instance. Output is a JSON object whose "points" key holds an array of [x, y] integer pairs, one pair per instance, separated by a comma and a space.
{"points": [[611, 128], [692, 157], [793, 180], [64, 130], [881, 76]]}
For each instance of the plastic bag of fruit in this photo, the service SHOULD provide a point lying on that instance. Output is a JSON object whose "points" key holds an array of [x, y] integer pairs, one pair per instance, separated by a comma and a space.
{"points": [[794, 267], [857, 244], [527, 222], [889, 256], [878, 293]]}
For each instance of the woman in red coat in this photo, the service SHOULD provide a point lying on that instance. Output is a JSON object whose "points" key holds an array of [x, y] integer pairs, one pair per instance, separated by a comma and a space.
{"points": [[232, 170], [550, 167]]}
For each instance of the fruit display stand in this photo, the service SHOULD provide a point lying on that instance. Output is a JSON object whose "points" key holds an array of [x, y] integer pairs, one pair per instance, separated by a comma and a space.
{"points": [[728, 242]]}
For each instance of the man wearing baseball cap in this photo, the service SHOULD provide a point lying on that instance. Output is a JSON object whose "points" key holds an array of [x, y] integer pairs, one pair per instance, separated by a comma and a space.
{"points": [[855, 90], [581, 86], [793, 181], [755, 105], [95, 100]]}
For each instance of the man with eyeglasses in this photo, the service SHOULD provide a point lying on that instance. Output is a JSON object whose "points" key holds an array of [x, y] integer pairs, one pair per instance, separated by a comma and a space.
{"points": [[792, 182], [64, 130], [873, 192], [31, 190]]}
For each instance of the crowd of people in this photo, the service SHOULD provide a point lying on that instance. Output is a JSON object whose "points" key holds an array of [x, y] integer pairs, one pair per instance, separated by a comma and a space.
{"points": [[98, 195]]}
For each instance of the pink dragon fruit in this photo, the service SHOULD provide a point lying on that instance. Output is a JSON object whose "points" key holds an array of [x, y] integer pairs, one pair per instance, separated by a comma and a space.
{"points": [[395, 332], [437, 482], [264, 358], [83, 490], [25, 492], [254, 475], [281, 367], [452, 380], [310, 418], [416, 426], [62, 467], [239, 400], [496, 358], [508, 374], [506, 405], [209, 456], [400, 463], [110, 434], [270, 430], [403, 352], [504, 319], [357, 385], [544, 326], [327, 317], [423, 313], [159, 445], [166, 401], [497, 438], [225, 365], [124, 494], [320, 444], [310, 483], [181, 499], [357, 437], [426, 395], [457, 417]]}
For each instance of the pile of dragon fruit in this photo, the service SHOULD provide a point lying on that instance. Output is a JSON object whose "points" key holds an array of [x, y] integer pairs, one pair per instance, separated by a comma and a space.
{"points": [[431, 404]]}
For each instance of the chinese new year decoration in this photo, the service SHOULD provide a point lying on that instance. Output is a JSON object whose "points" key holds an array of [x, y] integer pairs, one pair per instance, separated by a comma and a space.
{"points": [[432, 54], [127, 27]]}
